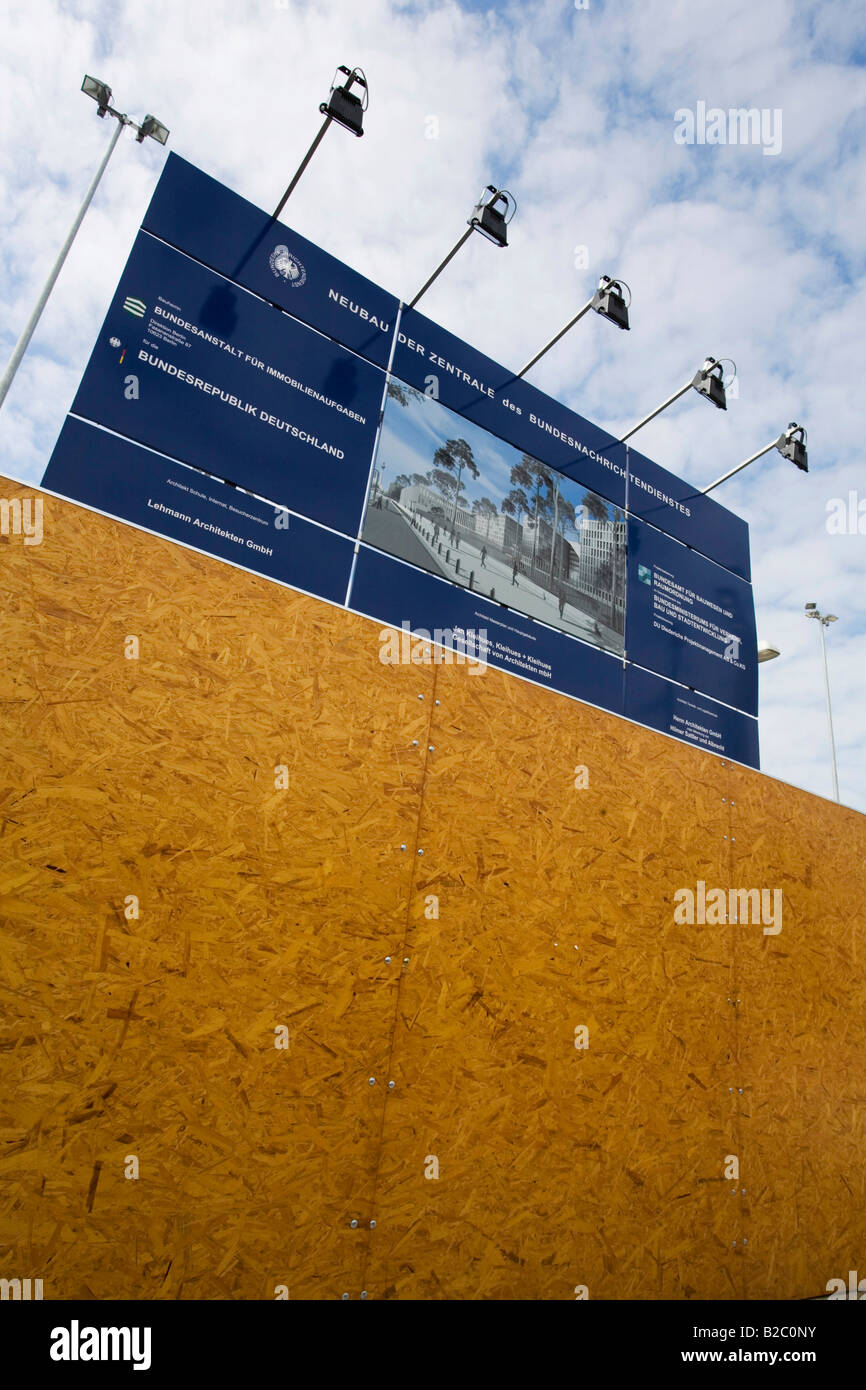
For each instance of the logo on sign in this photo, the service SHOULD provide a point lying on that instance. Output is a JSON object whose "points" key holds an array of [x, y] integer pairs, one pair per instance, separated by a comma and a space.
{"points": [[287, 267], [135, 306]]}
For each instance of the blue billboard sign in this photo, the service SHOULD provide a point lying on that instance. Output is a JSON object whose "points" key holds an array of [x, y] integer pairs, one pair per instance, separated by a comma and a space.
{"points": [[235, 401], [195, 368]]}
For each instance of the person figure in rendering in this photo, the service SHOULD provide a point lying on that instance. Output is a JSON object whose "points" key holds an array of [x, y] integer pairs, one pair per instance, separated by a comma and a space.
{"points": [[515, 566], [560, 593], [484, 557]]}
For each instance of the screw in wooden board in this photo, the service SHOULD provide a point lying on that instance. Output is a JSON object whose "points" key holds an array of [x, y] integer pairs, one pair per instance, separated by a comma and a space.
{"points": [[420, 851], [372, 1225], [387, 960], [405, 960], [390, 1085], [402, 846], [372, 1081], [345, 1296], [363, 1293], [414, 743], [354, 1225], [437, 702]]}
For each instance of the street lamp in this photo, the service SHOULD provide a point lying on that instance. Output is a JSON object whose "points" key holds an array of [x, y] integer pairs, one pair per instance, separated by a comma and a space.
{"points": [[708, 381], [791, 445], [101, 94], [767, 652], [812, 611], [343, 106], [490, 217], [608, 301]]}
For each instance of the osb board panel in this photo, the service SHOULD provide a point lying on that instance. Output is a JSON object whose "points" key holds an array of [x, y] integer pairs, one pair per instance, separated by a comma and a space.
{"points": [[559, 1167], [801, 1038], [259, 907], [154, 1036]]}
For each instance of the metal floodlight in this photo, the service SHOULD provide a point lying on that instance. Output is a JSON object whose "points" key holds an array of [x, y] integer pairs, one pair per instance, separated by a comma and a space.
{"points": [[100, 91], [708, 381], [490, 219], [154, 128], [791, 445], [767, 652], [345, 106], [609, 302]]}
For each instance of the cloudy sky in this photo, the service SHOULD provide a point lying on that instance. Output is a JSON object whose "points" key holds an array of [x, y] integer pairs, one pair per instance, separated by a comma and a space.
{"points": [[729, 250]]}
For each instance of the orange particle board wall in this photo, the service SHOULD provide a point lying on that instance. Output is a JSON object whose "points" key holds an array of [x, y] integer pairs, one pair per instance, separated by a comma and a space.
{"points": [[430, 901]]}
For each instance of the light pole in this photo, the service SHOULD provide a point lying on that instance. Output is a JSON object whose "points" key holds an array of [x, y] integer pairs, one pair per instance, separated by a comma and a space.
{"points": [[708, 381], [149, 126], [812, 611]]}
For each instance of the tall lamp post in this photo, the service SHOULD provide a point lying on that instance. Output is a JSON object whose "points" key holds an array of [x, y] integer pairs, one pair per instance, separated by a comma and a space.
{"points": [[150, 126], [812, 611]]}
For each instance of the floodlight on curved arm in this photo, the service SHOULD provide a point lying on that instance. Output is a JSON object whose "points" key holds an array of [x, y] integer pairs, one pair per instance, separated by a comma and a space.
{"points": [[791, 445], [490, 217], [708, 381], [608, 301]]}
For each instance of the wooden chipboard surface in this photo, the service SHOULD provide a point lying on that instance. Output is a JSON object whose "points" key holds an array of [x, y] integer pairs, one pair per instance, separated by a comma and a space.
{"points": [[439, 818]]}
